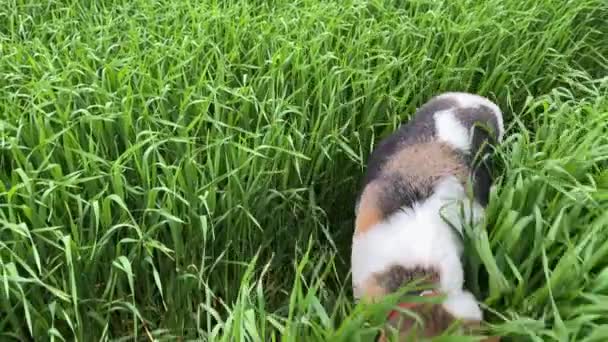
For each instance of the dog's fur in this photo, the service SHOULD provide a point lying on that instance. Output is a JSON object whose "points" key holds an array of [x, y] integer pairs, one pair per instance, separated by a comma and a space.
{"points": [[412, 198]]}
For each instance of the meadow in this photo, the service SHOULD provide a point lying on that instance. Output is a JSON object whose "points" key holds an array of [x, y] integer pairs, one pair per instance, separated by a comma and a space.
{"points": [[187, 170]]}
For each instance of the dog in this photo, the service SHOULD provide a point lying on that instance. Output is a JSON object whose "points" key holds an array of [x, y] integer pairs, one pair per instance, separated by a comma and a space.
{"points": [[419, 181]]}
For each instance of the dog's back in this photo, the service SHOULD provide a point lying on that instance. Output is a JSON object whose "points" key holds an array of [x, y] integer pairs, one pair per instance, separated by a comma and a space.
{"points": [[448, 136], [414, 178]]}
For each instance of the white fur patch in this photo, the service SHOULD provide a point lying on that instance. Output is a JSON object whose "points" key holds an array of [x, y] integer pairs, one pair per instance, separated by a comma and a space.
{"points": [[416, 236], [472, 100], [451, 131], [457, 208], [463, 305]]}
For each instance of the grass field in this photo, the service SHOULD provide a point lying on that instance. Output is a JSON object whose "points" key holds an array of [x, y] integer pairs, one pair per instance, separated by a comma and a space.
{"points": [[187, 169]]}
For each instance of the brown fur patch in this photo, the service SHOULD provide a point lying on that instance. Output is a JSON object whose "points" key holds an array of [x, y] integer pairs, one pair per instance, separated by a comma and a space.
{"points": [[410, 174], [427, 162], [398, 276], [369, 212], [434, 320], [372, 290], [368, 217], [389, 281]]}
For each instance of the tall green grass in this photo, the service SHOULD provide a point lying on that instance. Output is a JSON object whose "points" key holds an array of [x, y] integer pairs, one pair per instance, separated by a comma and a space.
{"points": [[187, 169]]}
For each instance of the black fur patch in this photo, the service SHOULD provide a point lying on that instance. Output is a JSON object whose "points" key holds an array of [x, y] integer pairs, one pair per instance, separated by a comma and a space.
{"points": [[398, 192], [421, 128], [472, 116], [484, 137]]}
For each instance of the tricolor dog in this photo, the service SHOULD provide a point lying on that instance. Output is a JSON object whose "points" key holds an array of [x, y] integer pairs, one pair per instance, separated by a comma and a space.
{"points": [[410, 210]]}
